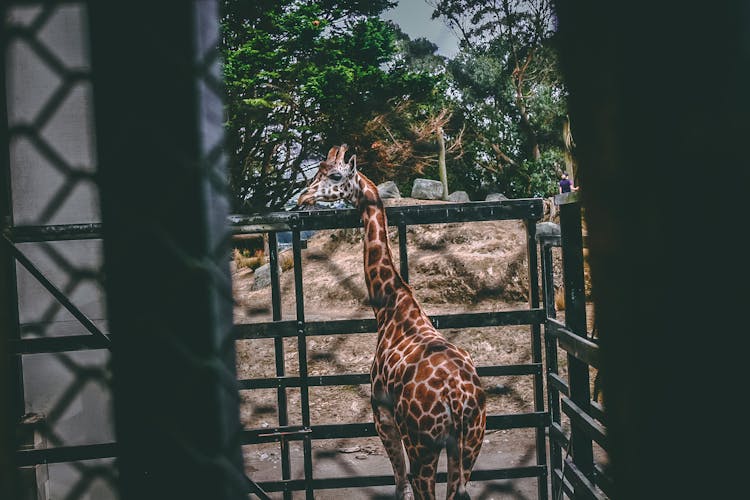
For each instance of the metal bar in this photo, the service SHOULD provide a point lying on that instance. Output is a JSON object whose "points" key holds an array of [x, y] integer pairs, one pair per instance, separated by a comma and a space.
{"points": [[536, 350], [508, 370], [166, 257], [55, 232], [597, 411], [63, 454], [575, 321], [560, 385], [56, 293], [603, 481], [582, 485], [581, 348], [353, 326], [11, 369], [367, 429], [386, 480], [403, 254], [581, 420], [312, 381], [302, 356], [56, 344], [555, 384], [282, 382], [517, 209], [558, 435], [278, 344], [564, 483]]}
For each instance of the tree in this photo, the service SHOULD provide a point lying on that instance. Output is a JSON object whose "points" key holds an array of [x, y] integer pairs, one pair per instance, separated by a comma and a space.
{"points": [[509, 91], [301, 76]]}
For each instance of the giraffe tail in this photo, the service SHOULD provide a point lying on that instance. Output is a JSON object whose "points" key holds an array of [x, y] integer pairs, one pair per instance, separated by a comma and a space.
{"points": [[457, 444]]}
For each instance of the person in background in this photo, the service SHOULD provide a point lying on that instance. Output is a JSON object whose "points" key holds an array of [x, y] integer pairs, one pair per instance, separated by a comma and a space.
{"points": [[566, 185]]}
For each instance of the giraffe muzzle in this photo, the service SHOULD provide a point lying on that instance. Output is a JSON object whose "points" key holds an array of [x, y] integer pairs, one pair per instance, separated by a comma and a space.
{"points": [[306, 198]]}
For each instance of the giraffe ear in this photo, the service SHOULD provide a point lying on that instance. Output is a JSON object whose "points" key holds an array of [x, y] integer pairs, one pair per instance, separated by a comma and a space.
{"points": [[353, 164]]}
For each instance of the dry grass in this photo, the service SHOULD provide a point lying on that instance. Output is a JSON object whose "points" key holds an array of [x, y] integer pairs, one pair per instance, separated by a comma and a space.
{"points": [[244, 259], [560, 299], [286, 260]]}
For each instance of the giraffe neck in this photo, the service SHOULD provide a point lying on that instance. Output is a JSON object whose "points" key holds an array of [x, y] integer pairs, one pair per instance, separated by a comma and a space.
{"points": [[381, 276]]}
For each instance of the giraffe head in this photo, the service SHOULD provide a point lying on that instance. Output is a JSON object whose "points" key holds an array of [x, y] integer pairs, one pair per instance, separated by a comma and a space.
{"points": [[335, 179]]}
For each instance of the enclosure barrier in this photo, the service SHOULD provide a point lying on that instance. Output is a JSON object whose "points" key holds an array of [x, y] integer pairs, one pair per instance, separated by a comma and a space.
{"points": [[528, 210], [574, 468]]}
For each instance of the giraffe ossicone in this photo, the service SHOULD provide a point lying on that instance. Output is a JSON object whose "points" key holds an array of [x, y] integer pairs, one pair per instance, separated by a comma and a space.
{"points": [[426, 394]]}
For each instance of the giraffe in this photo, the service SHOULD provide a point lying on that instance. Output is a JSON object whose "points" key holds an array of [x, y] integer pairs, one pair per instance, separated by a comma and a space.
{"points": [[426, 394]]}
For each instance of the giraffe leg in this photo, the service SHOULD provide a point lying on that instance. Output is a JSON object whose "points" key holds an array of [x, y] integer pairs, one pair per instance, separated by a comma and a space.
{"points": [[389, 435], [423, 472], [456, 483]]}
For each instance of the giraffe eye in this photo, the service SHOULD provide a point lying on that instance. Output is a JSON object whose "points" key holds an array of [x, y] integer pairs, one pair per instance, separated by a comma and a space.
{"points": [[335, 176]]}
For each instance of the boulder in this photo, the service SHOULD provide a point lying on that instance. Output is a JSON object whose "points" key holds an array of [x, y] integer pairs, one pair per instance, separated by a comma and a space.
{"points": [[389, 189], [262, 277], [459, 197], [496, 197], [427, 189]]}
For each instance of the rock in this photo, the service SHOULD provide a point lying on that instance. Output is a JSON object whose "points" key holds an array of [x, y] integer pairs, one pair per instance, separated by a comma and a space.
{"points": [[458, 197], [547, 229], [496, 197], [353, 449], [427, 189], [389, 189], [262, 277]]}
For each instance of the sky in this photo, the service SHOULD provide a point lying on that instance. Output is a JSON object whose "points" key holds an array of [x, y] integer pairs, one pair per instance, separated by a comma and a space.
{"points": [[414, 18]]}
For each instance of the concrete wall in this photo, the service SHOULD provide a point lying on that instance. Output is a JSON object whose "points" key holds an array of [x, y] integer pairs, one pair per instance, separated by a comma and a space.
{"points": [[51, 184]]}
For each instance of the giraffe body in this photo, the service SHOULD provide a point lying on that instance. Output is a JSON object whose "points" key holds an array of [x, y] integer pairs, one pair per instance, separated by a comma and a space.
{"points": [[426, 394]]}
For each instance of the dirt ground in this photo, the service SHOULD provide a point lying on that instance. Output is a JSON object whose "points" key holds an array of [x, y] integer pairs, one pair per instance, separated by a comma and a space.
{"points": [[467, 267]]}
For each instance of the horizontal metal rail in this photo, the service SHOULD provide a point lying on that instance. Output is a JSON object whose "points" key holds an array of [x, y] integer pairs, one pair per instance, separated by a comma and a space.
{"points": [[57, 232], [584, 489], [64, 343], [273, 329], [443, 213], [367, 429], [364, 378], [582, 420], [60, 454], [277, 329], [580, 347]]}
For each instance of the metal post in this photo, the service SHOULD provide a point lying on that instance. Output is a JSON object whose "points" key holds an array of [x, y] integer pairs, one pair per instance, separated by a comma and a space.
{"points": [[550, 345], [278, 344], [536, 350], [575, 320], [302, 354], [11, 375], [166, 254]]}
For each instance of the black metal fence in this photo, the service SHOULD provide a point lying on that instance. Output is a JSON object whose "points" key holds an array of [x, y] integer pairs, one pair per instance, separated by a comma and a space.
{"points": [[158, 358], [576, 468], [530, 211]]}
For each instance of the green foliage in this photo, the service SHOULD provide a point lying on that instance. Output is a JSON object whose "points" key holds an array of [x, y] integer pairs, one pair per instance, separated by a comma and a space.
{"points": [[509, 94], [301, 77], [304, 76]]}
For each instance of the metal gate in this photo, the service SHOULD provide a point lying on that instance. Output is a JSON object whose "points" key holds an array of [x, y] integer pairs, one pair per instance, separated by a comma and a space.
{"points": [[577, 421], [528, 210]]}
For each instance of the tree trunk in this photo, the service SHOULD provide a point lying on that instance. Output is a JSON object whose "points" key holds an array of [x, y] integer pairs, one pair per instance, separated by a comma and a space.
{"points": [[441, 162]]}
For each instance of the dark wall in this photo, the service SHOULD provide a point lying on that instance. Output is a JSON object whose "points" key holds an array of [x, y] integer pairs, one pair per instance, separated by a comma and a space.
{"points": [[659, 108]]}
